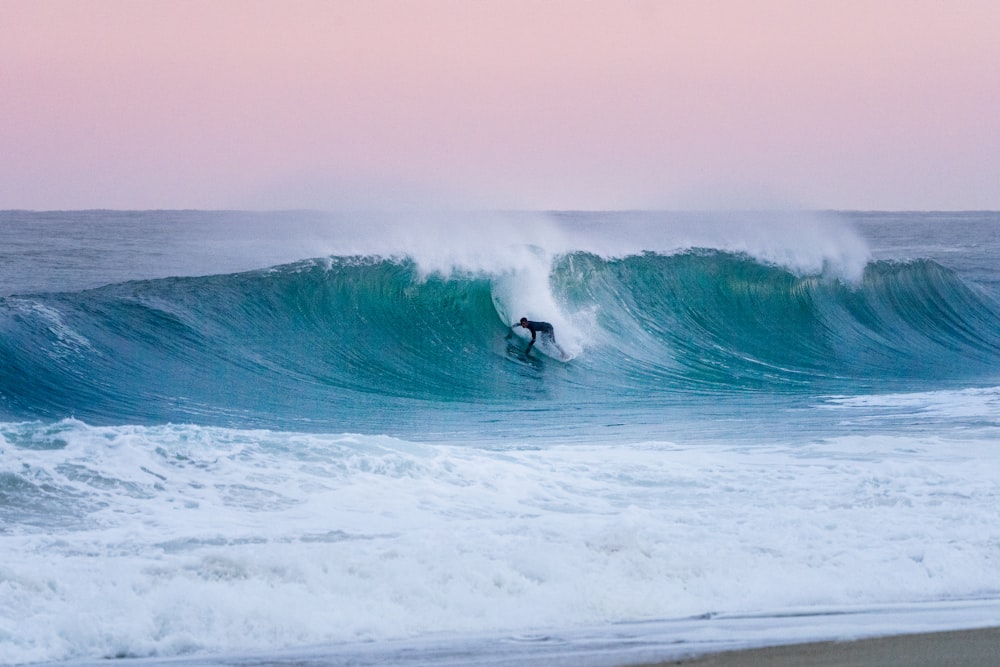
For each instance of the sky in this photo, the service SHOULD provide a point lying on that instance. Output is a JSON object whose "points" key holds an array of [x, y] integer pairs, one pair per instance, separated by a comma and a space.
{"points": [[289, 104]]}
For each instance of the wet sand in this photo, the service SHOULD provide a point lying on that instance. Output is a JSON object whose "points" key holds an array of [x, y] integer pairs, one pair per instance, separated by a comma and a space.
{"points": [[938, 649]]}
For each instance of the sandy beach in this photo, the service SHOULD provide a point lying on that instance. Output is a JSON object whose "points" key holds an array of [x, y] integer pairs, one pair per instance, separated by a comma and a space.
{"points": [[938, 649]]}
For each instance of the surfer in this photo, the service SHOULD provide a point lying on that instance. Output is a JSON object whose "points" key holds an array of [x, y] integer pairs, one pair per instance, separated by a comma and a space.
{"points": [[544, 328]]}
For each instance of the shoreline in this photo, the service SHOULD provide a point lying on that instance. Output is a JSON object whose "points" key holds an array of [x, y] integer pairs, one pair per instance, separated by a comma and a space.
{"points": [[927, 649], [949, 648]]}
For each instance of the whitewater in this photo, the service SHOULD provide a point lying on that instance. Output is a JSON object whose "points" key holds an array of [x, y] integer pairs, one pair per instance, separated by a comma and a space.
{"points": [[315, 438]]}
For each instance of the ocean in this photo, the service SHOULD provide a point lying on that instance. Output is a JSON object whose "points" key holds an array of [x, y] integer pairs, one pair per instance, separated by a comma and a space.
{"points": [[316, 439]]}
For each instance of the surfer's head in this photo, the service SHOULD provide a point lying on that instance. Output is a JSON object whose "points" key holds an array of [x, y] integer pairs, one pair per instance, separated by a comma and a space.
{"points": [[524, 322]]}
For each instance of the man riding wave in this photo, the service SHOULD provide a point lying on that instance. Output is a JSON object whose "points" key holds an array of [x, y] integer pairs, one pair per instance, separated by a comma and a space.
{"points": [[544, 328]]}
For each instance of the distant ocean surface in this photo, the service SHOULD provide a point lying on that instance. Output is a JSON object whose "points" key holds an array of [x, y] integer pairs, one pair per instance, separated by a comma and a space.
{"points": [[300, 436]]}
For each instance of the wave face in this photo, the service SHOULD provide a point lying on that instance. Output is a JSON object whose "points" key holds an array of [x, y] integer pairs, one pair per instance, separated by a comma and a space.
{"points": [[348, 340]]}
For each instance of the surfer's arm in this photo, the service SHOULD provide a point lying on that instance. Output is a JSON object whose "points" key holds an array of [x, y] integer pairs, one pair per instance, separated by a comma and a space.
{"points": [[532, 341]]}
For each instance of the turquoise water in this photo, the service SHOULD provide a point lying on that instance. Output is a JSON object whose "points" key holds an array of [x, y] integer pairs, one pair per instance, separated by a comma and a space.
{"points": [[366, 341], [247, 431]]}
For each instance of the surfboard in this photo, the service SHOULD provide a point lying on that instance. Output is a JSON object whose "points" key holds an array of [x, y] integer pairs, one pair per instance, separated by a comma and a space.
{"points": [[550, 350]]}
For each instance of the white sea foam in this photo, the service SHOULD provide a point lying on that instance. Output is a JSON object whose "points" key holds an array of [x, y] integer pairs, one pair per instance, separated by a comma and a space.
{"points": [[180, 538], [980, 403]]}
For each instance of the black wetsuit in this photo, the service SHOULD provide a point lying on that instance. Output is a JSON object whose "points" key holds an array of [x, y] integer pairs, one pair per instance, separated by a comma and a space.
{"points": [[543, 328]]}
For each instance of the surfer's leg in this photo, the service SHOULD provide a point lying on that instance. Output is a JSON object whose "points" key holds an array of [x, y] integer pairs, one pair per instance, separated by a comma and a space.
{"points": [[550, 338]]}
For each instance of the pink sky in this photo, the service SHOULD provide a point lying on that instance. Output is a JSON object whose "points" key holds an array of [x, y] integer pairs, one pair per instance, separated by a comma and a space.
{"points": [[570, 105]]}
